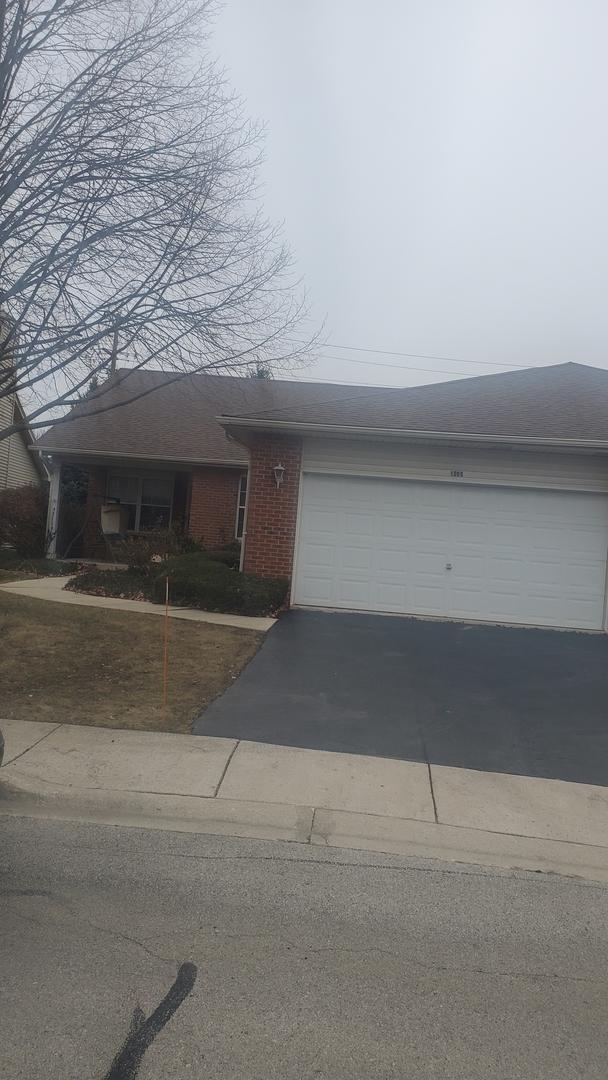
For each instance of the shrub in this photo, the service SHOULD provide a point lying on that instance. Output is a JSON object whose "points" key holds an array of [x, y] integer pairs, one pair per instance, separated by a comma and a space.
{"points": [[47, 567], [23, 519], [230, 554], [198, 581], [194, 581], [144, 551], [128, 584], [11, 560]]}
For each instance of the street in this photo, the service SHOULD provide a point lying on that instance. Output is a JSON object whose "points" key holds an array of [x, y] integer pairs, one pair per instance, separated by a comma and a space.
{"points": [[129, 953]]}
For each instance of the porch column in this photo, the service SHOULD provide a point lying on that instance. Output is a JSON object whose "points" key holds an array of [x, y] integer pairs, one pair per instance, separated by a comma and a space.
{"points": [[52, 517]]}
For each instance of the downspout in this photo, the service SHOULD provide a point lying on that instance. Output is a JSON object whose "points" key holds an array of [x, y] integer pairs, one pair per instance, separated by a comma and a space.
{"points": [[244, 536]]}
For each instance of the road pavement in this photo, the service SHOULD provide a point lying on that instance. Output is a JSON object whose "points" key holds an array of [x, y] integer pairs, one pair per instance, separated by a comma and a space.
{"points": [[131, 953]]}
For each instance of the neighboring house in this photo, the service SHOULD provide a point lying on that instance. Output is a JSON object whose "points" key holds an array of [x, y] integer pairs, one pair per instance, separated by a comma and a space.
{"points": [[479, 499], [19, 465]]}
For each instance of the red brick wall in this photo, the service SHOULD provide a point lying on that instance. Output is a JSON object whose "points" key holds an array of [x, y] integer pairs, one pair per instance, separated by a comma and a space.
{"points": [[272, 511], [94, 545], [213, 503]]}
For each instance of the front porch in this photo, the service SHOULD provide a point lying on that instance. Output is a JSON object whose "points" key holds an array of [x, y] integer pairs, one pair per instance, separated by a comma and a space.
{"points": [[205, 502]]}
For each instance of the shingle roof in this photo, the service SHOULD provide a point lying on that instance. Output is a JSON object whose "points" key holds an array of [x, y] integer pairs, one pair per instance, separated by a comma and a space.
{"points": [[178, 420]]}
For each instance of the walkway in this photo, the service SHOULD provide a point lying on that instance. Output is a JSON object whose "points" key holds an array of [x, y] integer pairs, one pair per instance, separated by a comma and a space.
{"points": [[52, 588]]}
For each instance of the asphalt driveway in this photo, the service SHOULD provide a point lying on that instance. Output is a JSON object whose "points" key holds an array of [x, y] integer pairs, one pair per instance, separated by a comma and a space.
{"points": [[528, 702]]}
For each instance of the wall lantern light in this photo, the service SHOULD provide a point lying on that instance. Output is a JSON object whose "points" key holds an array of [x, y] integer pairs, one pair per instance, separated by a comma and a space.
{"points": [[279, 474]]}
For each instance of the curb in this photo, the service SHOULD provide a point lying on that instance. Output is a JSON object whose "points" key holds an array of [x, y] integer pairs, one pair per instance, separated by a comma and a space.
{"points": [[306, 825]]}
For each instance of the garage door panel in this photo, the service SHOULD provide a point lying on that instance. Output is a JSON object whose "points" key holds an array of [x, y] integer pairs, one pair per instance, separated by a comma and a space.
{"points": [[427, 563], [390, 562], [323, 522], [392, 526], [319, 555], [391, 597], [358, 525], [528, 556], [541, 574], [319, 589], [427, 599], [583, 578], [469, 532], [357, 558], [583, 546], [354, 592], [507, 570]]}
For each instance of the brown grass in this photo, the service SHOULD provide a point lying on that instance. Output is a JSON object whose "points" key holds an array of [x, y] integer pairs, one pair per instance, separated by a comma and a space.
{"points": [[78, 665]]}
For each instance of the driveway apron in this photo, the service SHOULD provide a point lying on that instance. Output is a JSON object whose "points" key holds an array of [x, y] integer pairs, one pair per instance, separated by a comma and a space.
{"points": [[511, 700]]}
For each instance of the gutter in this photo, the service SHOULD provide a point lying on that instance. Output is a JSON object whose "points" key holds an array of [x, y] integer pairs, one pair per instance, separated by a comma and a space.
{"points": [[304, 428], [135, 457]]}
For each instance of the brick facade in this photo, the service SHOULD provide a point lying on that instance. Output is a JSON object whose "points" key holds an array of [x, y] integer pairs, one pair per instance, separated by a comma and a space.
{"points": [[213, 505], [272, 512]]}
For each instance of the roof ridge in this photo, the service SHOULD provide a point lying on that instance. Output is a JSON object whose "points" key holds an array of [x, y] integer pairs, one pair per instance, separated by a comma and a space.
{"points": [[341, 387]]}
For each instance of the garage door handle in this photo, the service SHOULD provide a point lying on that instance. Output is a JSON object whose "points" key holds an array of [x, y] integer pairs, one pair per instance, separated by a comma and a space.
{"points": [[448, 566]]}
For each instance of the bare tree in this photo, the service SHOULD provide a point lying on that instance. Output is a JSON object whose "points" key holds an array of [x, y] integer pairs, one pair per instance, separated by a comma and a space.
{"points": [[129, 223]]}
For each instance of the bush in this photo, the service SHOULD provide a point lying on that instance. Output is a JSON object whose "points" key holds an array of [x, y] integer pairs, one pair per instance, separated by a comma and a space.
{"points": [[230, 554], [144, 551], [194, 581], [127, 584], [23, 519], [47, 567], [11, 560], [201, 582]]}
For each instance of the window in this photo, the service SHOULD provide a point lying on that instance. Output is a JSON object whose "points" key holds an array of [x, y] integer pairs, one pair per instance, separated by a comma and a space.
{"points": [[125, 490], [155, 509], [240, 507], [147, 498]]}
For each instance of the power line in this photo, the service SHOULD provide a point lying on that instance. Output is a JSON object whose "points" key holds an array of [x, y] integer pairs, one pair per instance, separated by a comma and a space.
{"points": [[338, 382], [422, 356], [413, 367]]}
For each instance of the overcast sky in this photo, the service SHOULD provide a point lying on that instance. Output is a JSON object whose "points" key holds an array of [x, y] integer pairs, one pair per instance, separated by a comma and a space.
{"points": [[441, 167]]}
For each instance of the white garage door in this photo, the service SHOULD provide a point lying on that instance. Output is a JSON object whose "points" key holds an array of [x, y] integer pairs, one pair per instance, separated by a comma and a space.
{"points": [[466, 552]]}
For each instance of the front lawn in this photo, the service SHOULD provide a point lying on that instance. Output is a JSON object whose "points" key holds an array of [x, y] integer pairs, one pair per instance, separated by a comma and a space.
{"points": [[79, 665]]}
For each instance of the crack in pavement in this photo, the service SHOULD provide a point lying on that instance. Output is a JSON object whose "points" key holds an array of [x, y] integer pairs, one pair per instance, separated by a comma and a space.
{"points": [[537, 877], [84, 921], [534, 877], [458, 970]]}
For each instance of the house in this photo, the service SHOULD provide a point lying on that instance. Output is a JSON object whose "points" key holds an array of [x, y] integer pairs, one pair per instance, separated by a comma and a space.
{"points": [[482, 499], [19, 463]]}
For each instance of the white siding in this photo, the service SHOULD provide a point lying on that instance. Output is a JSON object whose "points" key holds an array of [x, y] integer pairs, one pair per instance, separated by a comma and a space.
{"points": [[6, 416], [479, 465], [16, 463]]}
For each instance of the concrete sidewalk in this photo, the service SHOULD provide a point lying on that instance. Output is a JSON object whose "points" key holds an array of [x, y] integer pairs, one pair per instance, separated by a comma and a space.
{"points": [[223, 786], [52, 588]]}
